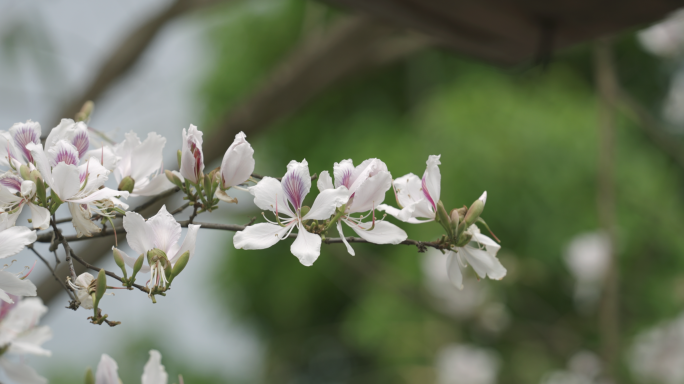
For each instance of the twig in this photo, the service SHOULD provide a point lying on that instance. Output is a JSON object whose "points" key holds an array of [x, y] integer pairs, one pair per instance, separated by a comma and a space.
{"points": [[111, 274], [180, 209], [68, 291], [67, 249], [194, 212], [251, 221]]}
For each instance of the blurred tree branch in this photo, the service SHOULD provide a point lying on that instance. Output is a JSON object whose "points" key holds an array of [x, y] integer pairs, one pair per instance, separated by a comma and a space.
{"points": [[128, 52], [351, 46]]}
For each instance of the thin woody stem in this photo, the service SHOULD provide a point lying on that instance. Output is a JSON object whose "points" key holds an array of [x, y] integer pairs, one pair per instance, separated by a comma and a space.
{"points": [[47, 264], [65, 244], [97, 269]]}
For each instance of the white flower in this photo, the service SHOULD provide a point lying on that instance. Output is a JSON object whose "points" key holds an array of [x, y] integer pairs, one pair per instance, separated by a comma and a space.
{"points": [[84, 287], [287, 198], [237, 166], [20, 334], [466, 364], [588, 258], [142, 161], [153, 373], [10, 185], [367, 184], [162, 232], [13, 240], [192, 158], [480, 253], [658, 353], [74, 133], [417, 198], [23, 134]]}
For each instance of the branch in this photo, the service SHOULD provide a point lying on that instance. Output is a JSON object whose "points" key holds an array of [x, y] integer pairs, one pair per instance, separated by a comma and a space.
{"points": [[68, 291], [111, 274], [67, 250]]}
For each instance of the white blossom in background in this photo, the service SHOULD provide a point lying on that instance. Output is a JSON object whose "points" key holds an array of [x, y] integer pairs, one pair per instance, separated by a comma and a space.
{"points": [[588, 258], [12, 241], [153, 373], [466, 364], [367, 185], [657, 354], [665, 38], [142, 162], [192, 157], [288, 198], [584, 367], [20, 335], [236, 167]]}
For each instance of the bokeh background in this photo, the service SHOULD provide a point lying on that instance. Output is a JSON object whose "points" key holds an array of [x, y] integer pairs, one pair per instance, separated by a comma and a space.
{"points": [[527, 134]]}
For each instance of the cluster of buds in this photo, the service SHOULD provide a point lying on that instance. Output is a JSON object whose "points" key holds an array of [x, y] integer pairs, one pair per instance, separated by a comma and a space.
{"points": [[89, 292]]}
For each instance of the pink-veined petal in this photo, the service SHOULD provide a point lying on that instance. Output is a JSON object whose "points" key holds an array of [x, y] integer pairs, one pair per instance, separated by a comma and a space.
{"points": [[154, 372], [7, 198], [433, 178], [307, 246], [259, 236], [297, 182], [343, 173], [382, 233], [192, 157], [107, 371], [42, 162], [14, 239], [326, 202], [324, 181], [140, 235], [238, 162]]}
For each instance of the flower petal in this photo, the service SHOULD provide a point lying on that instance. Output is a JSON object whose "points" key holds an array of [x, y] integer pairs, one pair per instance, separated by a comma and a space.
{"points": [[22, 318], [383, 233], [297, 183], [259, 236], [326, 202], [30, 341], [269, 195], [8, 198], [324, 181], [307, 246], [66, 180], [14, 239], [107, 371], [147, 157], [80, 219], [40, 217], [21, 372], [484, 263], [371, 192], [42, 162], [433, 177], [454, 270], [368, 168], [238, 162], [157, 185], [154, 372], [63, 152], [140, 235], [344, 239], [167, 231], [100, 194], [192, 160], [343, 173], [188, 243], [105, 156], [131, 261], [13, 285]]}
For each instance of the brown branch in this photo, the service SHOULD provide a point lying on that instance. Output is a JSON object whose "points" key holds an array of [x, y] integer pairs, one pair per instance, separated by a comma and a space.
{"points": [[47, 264], [128, 52]]}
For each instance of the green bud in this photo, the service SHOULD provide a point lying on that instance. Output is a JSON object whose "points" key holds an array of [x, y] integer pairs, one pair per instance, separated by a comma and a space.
{"points": [[454, 221], [118, 259], [127, 184], [180, 264], [174, 179], [24, 172], [305, 209], [464, 239], [101, 286], [475, 210], [89, 378], [179, 154], [85, 112], [136, 268], [40, 191], [155, 254]]}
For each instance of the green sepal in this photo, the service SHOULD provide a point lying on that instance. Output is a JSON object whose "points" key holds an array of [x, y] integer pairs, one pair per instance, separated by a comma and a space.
{"points": [[89, 377], [100, 287], [180, 265]]}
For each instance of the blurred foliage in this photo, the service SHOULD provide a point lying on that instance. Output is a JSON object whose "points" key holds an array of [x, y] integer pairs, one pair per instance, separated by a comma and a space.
{"points": [[527, 137]]}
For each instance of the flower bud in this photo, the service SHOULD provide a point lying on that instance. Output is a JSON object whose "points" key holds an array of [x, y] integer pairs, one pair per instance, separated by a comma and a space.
{"points": [[127, 184], [238, 162], [101, 287], [28, 189], [136, 267], [89, 378], [118, 259], [180, 264], [153, 255], [179, 154], [24, 172], [305, 209], [475, 210], [35, 175], [85, 112], [455, 217], [442, 217], [173, 178]]}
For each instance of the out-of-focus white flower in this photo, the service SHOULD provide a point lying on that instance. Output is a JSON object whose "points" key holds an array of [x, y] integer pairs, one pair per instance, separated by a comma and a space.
{"points": [[10, 185], [142, 162], [162, 232], [367, 185], [153, 373], [588, 258], [288, 198], [466, 364], [237, 166], [21, 336], [13, 240], [480, 253], [665, 38], [584, 367], [84, 287], [657, 354], [192, 158], [417, 198]]}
